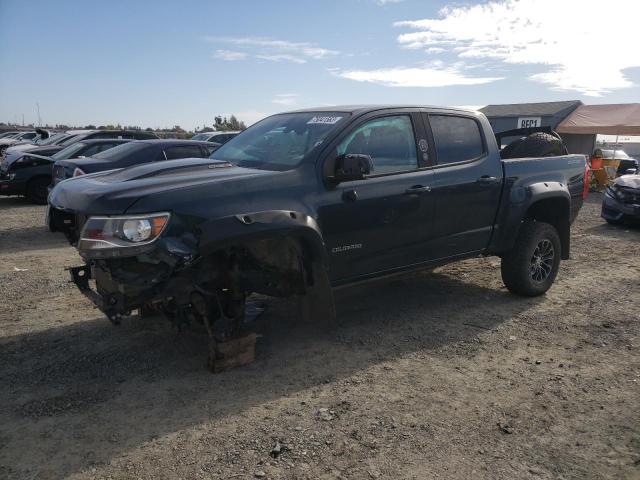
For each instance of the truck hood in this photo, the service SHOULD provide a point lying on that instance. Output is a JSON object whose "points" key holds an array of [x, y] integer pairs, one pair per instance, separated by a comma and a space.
{"points": [[629, 181], [113, 192]]}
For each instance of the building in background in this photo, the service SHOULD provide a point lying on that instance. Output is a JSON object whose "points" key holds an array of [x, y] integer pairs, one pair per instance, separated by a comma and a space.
{"points": [[523, 115], [543, 114]]}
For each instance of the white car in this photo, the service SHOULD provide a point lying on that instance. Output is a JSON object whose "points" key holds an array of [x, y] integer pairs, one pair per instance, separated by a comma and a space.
{"points": [[215, 137]]}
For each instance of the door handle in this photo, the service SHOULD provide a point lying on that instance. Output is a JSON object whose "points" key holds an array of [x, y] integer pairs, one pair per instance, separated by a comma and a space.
{"points": [[418, 189], [487, 179]]}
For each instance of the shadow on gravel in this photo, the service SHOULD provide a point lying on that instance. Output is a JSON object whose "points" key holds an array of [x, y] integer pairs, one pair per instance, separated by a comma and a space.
{"points": [[142, 380], [7, 203], [616, 231], [31, 238]]}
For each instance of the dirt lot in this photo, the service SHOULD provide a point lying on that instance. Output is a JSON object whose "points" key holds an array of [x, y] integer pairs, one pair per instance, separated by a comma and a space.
{"points": [[435, 375]]}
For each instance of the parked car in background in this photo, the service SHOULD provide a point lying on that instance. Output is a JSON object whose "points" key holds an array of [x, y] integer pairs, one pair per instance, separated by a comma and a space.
{"points": [[9, 134], [215, 137], [6, 142], [30, 174], [94, 134], [621, 200], [46, 147], [626, 162], [59, 141], [133, 153]]}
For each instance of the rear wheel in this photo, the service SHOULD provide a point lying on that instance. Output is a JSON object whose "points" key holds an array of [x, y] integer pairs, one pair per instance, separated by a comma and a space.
{"points": [[531, 266], [37, 190]]}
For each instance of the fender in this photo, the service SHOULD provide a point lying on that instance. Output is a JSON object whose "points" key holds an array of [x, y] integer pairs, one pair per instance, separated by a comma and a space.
{"points": [[521, 204], [251, 226]]}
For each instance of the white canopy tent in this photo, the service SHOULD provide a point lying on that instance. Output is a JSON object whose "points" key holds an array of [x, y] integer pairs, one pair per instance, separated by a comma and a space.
{"points": [[613, 119]]}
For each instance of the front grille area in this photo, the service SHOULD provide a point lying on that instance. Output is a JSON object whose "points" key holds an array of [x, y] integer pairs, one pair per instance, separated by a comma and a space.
{"points": [[629, 195]]}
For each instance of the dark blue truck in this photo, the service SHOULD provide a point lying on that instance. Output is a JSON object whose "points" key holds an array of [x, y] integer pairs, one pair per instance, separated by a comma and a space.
{"points": [[305, 201]]}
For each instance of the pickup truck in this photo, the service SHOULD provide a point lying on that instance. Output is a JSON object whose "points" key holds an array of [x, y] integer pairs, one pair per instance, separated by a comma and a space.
{"points": [[306, 201]]}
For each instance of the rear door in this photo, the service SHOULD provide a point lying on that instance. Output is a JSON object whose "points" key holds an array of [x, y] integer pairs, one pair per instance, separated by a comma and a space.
{"points": [[466, 188], [378, 224]]}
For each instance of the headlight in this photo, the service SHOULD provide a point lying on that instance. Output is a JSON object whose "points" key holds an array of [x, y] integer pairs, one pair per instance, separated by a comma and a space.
{"points": [[612, 191], [128, 235]]}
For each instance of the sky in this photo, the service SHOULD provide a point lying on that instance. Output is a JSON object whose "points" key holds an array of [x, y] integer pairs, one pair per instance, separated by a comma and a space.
{"points": [[165, 63]]}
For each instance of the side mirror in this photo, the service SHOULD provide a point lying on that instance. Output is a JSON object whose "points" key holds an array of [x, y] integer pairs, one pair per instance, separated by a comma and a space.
{"points": [[352, 166]]}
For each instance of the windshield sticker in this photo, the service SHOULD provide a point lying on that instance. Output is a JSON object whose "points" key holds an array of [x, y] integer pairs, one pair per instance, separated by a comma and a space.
{"points": [[324, 120]]}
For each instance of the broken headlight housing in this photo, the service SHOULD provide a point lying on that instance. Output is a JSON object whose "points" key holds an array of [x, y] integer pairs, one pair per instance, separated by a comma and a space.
{"points": [[127, 235], [612, 191]]}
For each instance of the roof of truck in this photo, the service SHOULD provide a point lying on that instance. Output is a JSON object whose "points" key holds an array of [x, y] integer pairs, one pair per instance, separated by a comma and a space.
{"points": [[371, 108]]}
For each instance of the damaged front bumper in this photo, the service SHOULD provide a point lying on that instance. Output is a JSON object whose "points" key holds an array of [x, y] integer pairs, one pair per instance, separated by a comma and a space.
{"points": [[616, 210], [163, 276], [117, 297]]}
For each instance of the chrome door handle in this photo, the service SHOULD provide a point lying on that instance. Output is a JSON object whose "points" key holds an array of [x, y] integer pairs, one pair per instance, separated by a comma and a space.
{"points": [[418, 189], [487, 179]]}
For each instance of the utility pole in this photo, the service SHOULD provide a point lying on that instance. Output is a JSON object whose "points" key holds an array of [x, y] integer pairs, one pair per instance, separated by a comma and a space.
{"points": [[39, 119], [23, 119]]}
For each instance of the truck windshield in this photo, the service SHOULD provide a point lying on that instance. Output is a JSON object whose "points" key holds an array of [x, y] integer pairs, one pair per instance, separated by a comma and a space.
{"points": [[280, 142]]}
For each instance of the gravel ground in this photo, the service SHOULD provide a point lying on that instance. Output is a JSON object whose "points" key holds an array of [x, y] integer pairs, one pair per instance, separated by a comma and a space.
{"points": [[434, 375]]}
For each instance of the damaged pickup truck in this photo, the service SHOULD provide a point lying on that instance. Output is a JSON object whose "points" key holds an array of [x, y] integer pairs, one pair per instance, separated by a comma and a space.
{"points": [[306, 201]]}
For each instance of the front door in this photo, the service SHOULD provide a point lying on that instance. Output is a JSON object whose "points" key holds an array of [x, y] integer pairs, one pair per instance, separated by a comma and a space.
{"points": [[379, 223]]}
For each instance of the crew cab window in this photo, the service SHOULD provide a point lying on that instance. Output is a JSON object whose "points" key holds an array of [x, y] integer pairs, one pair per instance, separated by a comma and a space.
{"points": [[389, 141], [183, 151], [457, 139]]}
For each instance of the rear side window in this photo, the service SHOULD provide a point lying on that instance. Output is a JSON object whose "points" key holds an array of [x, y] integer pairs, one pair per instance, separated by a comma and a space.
{"points": [[183, 151], [457, 139]]}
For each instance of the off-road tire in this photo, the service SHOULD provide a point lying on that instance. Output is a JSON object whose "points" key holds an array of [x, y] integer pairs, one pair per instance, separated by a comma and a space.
{"points": [[507, 152], [521, 265], [37, 191], [538, 144]]}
